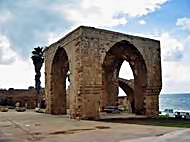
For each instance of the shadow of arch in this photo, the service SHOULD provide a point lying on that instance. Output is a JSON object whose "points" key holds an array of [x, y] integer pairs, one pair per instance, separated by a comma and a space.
{"points": [[113, 60], [60, 67]]}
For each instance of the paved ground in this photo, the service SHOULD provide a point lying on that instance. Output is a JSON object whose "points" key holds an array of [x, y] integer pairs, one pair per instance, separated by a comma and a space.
{"points": [[30, 126]]}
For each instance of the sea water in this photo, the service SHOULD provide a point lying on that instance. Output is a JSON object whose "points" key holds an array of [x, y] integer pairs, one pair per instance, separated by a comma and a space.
{"points": [[180, 102]]}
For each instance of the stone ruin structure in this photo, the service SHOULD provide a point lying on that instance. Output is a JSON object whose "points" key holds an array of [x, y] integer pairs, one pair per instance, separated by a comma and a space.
{"points": [[94, 58], [26, 97]]}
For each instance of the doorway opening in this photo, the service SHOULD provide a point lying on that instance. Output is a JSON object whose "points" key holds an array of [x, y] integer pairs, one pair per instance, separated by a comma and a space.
{"points": [[60, 68]]}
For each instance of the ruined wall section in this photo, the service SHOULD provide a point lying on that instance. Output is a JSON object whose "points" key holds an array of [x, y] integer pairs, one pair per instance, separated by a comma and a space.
{"points": [[71, 44], [90, 81], [86, 48], [149, 49], [130, 82], [154, 83], [128, 88], [26, 97], [49, 55]]}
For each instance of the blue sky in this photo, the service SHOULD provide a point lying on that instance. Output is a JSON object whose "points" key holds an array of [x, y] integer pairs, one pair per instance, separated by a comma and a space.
{"points": [[26, 24]]}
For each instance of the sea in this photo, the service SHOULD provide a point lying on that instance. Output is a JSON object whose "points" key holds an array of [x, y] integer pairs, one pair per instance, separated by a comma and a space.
{"points": [[177, 102]]}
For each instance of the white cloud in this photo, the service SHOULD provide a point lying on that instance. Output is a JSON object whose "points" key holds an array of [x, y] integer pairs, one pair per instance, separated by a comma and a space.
{"points": [[142, 22], [52, 37], [172, 48], [7, 55], [107, 13], [5, 16], [19, 73], [175, 77], [184, 23], [175, 70]]}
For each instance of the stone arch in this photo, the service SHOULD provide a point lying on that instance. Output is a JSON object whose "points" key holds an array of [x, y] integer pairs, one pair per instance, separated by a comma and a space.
{"points": [[127, 87], [95, 57], [120, 51], [59, 69]]}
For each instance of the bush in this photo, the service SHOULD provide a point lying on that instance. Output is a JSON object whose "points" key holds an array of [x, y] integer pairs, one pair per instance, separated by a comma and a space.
{"points": [[164, 116]]}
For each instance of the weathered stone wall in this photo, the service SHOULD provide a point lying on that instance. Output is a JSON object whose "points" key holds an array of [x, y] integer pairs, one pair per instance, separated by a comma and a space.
{"points": [[87, 49], [70, 44], [128, 87], [26, 97]]}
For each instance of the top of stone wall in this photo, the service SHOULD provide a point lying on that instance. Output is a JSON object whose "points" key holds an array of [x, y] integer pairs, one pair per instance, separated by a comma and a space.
{"points": [[86, 29], [19, 90]]}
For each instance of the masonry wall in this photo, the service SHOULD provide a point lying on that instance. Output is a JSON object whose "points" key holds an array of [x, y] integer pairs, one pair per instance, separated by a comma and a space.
{"points": [[149, 49], [86, 49], [70, 43], [26, 97]]}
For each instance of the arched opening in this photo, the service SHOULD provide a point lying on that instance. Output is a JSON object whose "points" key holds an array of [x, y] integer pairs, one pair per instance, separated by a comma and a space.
{"points": [[126, 88], [116, 55], [60, 68], [68, 90]]}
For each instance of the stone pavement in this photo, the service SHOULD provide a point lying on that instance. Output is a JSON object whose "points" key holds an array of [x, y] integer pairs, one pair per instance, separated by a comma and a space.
{"points": [[31, 126]]}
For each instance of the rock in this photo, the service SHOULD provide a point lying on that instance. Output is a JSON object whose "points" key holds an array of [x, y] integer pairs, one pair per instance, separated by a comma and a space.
{"points": [[37, 109], [20, 109], [4, 109]]}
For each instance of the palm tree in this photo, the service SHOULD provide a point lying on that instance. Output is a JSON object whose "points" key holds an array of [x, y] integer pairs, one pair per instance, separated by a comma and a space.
{"points": [[38, 60]]}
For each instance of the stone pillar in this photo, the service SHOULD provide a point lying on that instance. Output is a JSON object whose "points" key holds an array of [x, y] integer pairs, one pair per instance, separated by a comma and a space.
{"points": [[110, 82], [88, 81], [74, 93], [151, 102], [139, 101], [112, 91], [139, 89]]}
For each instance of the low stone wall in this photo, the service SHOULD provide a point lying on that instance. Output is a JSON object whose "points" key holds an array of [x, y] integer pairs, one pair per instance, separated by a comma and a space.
{"points": [[26, 97]]}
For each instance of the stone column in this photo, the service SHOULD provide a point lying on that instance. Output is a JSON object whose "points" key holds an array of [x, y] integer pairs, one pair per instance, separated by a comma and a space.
{"points": [[151, 101], [88, 80]]}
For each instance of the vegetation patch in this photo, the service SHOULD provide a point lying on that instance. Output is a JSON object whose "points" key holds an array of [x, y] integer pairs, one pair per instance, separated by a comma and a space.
{"points": [[161, 121]]}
